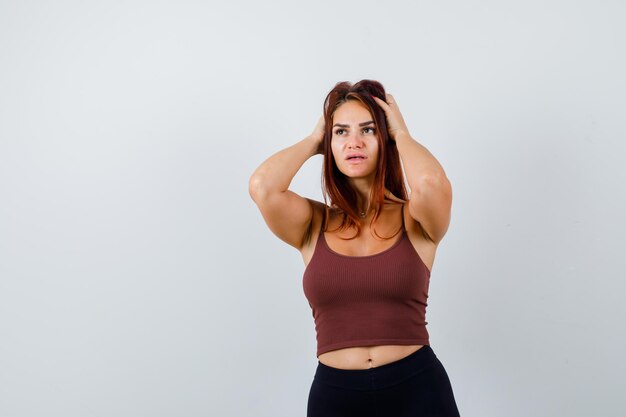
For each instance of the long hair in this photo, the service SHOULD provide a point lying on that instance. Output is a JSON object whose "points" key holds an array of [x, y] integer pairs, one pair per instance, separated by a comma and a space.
{"points": [[335, 185]]}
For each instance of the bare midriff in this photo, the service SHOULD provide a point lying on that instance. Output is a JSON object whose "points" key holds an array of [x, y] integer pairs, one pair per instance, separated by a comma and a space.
{"points": [[365, 357]]}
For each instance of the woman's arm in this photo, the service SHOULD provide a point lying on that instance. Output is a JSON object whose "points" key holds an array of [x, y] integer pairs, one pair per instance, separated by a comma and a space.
{"points": [[287, 214], [430, 201]]}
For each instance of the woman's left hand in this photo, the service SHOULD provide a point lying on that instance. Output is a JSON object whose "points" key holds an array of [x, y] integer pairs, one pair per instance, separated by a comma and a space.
{"points": [[395, 122]]}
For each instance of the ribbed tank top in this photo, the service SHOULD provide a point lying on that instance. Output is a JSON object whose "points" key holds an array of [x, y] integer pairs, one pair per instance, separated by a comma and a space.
{"points": [[370, 300]]}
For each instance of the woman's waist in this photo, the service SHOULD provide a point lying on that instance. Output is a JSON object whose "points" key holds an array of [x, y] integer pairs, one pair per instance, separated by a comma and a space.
{"points": [[366, 357]]}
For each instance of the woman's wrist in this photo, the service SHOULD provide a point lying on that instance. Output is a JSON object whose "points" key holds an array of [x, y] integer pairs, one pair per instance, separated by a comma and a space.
{"points": [[401, 135], [316, 144]]}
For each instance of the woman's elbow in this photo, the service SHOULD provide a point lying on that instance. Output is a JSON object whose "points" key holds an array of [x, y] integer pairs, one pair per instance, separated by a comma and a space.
{"points": [[255, 187]]}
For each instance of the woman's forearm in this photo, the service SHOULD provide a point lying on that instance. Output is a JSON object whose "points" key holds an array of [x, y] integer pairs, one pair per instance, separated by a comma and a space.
{"points": [[277, 171], [419, 164]]}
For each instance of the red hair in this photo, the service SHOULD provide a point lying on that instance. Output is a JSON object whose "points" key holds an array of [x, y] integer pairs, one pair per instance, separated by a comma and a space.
{"points": [[335, 184]]}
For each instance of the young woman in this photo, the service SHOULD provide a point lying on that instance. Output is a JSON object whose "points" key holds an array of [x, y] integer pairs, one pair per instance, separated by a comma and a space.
{"points": [[368, 255]]}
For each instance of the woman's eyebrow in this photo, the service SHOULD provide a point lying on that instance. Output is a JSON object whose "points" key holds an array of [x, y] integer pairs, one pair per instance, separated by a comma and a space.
{"points": [[360, 124]]}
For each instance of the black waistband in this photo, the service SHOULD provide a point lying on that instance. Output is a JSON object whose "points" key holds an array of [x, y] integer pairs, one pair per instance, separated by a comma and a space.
{"points": [[378, 377]]}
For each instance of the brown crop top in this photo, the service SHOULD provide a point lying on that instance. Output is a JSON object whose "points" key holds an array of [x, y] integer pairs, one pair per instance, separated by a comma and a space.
{"points": [[377, 299]]}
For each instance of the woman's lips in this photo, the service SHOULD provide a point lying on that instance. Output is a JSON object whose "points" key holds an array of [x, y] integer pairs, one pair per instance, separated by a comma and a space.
{"points": [[352, 161]]}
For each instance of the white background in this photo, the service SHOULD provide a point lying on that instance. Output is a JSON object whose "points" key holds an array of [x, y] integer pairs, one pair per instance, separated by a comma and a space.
{"points": [[137, 277]]}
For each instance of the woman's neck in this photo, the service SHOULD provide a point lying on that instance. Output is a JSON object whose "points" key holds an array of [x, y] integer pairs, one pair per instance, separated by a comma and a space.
{"points": [[366, 207]]}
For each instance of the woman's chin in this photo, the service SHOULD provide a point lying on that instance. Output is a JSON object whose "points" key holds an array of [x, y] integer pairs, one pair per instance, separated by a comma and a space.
{"points": [[357, 171], [353, 175]]}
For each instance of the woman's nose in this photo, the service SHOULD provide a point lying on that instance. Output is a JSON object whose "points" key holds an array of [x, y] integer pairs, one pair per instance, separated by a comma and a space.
{"points": [[355, 140]]}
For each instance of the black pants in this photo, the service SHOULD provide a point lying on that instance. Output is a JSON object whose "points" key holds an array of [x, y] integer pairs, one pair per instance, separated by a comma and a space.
{"points": [[414, 386]]}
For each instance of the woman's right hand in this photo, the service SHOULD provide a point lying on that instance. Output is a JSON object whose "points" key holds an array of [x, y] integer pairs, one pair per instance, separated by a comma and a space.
{"points": [[318, 135]]}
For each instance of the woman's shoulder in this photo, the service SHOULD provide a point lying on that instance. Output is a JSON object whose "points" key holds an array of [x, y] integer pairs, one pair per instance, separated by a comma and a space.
{"points": [[320, 207], [390, 196], [320, 211], [315, 227]]}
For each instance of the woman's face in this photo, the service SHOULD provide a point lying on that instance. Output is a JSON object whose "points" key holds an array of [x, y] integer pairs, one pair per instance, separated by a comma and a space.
{"points": [[354, 140]]}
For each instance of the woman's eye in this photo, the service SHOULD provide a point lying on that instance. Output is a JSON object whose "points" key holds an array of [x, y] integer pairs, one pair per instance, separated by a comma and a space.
{"points": [[365, 130]]}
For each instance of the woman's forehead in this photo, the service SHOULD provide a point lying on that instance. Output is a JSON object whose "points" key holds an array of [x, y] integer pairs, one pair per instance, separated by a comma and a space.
{"points": [[352, 111]]}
